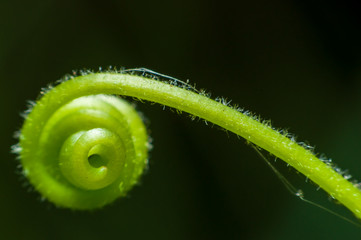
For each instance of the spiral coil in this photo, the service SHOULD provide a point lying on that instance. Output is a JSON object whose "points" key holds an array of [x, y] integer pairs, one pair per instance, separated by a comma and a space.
{"points": [[89, 152], [82, 150]]}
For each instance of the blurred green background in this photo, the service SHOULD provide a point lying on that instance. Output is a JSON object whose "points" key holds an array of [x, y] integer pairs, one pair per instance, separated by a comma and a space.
{"points": [[295, 62]]}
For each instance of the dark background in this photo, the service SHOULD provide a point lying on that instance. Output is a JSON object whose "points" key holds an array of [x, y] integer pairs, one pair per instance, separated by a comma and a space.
{"points": [[295, 62]]}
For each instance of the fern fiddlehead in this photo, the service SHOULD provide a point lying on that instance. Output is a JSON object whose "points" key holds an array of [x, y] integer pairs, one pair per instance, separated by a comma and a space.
{"points": [[76, 158]]}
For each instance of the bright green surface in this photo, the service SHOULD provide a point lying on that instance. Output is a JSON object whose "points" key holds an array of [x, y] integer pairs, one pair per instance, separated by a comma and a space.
{"points": [[56, 189], [295, 62], [58, 142]]}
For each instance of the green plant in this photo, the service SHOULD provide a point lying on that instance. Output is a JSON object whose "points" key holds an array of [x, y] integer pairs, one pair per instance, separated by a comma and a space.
{"points": [[77, 163]]}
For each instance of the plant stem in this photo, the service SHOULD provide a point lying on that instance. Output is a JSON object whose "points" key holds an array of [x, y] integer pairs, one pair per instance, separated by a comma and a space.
{"points": [[201, 106]]}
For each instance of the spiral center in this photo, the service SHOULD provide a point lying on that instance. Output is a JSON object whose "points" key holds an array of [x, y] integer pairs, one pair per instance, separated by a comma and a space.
{"points": [[97, 161], [92, 159]]}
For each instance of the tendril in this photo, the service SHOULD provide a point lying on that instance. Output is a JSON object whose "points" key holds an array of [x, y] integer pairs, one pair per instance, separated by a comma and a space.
{"points": [[82, 149], [85, 153]]}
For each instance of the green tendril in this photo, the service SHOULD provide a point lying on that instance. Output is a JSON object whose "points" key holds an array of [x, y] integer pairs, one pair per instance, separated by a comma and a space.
{"points": [[82, 150]]}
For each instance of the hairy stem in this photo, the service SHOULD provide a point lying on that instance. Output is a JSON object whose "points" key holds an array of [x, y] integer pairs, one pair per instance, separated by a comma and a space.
{"points": [[198, 105]]}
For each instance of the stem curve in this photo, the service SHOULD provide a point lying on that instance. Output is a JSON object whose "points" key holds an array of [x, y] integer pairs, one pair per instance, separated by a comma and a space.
{"points": [[196, 104]]}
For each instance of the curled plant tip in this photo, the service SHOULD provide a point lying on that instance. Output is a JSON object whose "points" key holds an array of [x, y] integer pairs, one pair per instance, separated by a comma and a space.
{"points": [[81, 149], [86, 151]]}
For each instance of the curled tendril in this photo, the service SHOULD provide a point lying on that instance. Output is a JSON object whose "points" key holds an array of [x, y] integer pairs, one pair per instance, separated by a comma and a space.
{"points": [[86, 153], [81, 149]]}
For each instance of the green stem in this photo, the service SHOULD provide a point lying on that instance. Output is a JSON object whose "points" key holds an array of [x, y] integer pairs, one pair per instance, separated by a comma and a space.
{"points": [[198, 105]]}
